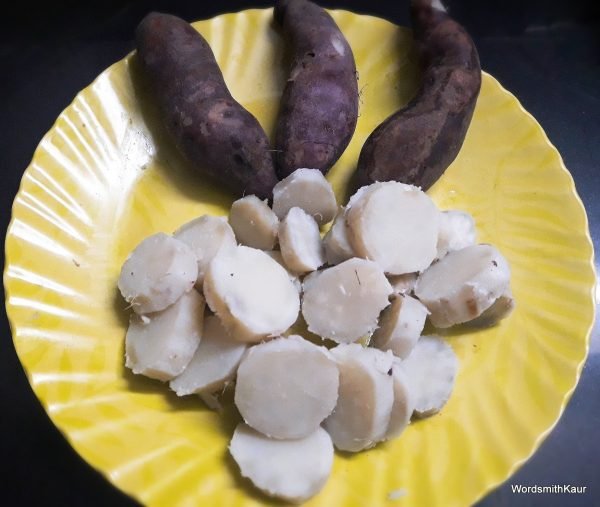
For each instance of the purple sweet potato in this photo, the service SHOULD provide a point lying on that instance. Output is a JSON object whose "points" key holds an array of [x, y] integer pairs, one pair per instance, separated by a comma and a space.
{"points": [[213, 131], [319, 106], [416, 144]]}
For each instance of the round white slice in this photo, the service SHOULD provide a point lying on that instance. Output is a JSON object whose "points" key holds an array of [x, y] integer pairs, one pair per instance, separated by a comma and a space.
{"points": [[300, 242], [336, 243], [395, 225], [400, 326], [457, 231], [251, 293], [463, 284], [206, 235], [343, 302], [403, 284], [158, 271], [293, 470], [286, 387], [365, 397], [307, 189], [214, 364], [160, 345], [404, 403], [254, 223], [431, 370]]}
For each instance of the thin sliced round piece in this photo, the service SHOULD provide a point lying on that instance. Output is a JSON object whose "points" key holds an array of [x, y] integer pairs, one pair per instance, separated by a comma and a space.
{"points": [[286, 387], [395, 225], [431, 370], [254, 223], [293, 470], [400, 326], [463, 284], [365, 399], [404, 402], [214, 364], [300, 242], [160, 345], [206, 235], [457, 231], [343, 303], [251, 293], [336, 243], [307, 189], [158, 271]]}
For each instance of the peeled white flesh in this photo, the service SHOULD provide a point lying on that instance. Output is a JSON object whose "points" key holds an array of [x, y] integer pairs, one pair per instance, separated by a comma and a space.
{"points": [[254, 223], [214, 364], [500, 309], [276, 256], [400, 326], [457, 231], [293, 470], [251, 293], [206, 235], [395, 225], [160, 345], [404, 403], [463, 284], [431, 371], [403, 284], [365, 398], [343, 302], [300, 242], [158, 271], [286, 387], [307, 189], [336, 243]]}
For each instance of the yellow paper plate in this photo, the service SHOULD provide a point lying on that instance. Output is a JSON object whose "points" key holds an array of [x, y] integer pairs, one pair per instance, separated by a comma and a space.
{"points": [[105, 176]]}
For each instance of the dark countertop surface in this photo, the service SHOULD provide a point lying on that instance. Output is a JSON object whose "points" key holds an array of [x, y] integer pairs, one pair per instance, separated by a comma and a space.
{"points": [[545, 52]]}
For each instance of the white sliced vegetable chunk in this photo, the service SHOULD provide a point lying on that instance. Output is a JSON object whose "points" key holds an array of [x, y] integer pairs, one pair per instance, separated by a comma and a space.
{"points": [[343, 302], [276, 256], [365, 399], [307, 189], [300, 242], [457, 231], [431, 371], [293, 470], [160, 345], [502, 308], [395, 225], [403, 284], [400, 326], [337, 245], [214, 364], [286, 387], [254, 223], [251, 293], [404, 403], [463, 284], [158, 271], [206, 235]]}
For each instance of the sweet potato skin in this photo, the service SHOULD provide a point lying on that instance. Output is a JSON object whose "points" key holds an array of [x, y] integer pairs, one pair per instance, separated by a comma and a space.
{"points": [[416, 144], [319, 106], [208, 126]]}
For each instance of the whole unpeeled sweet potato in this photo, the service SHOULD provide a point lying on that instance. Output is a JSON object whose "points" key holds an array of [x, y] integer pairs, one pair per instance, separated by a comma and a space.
{"points": [[208, 126], [319, 106], [416, 144]]}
